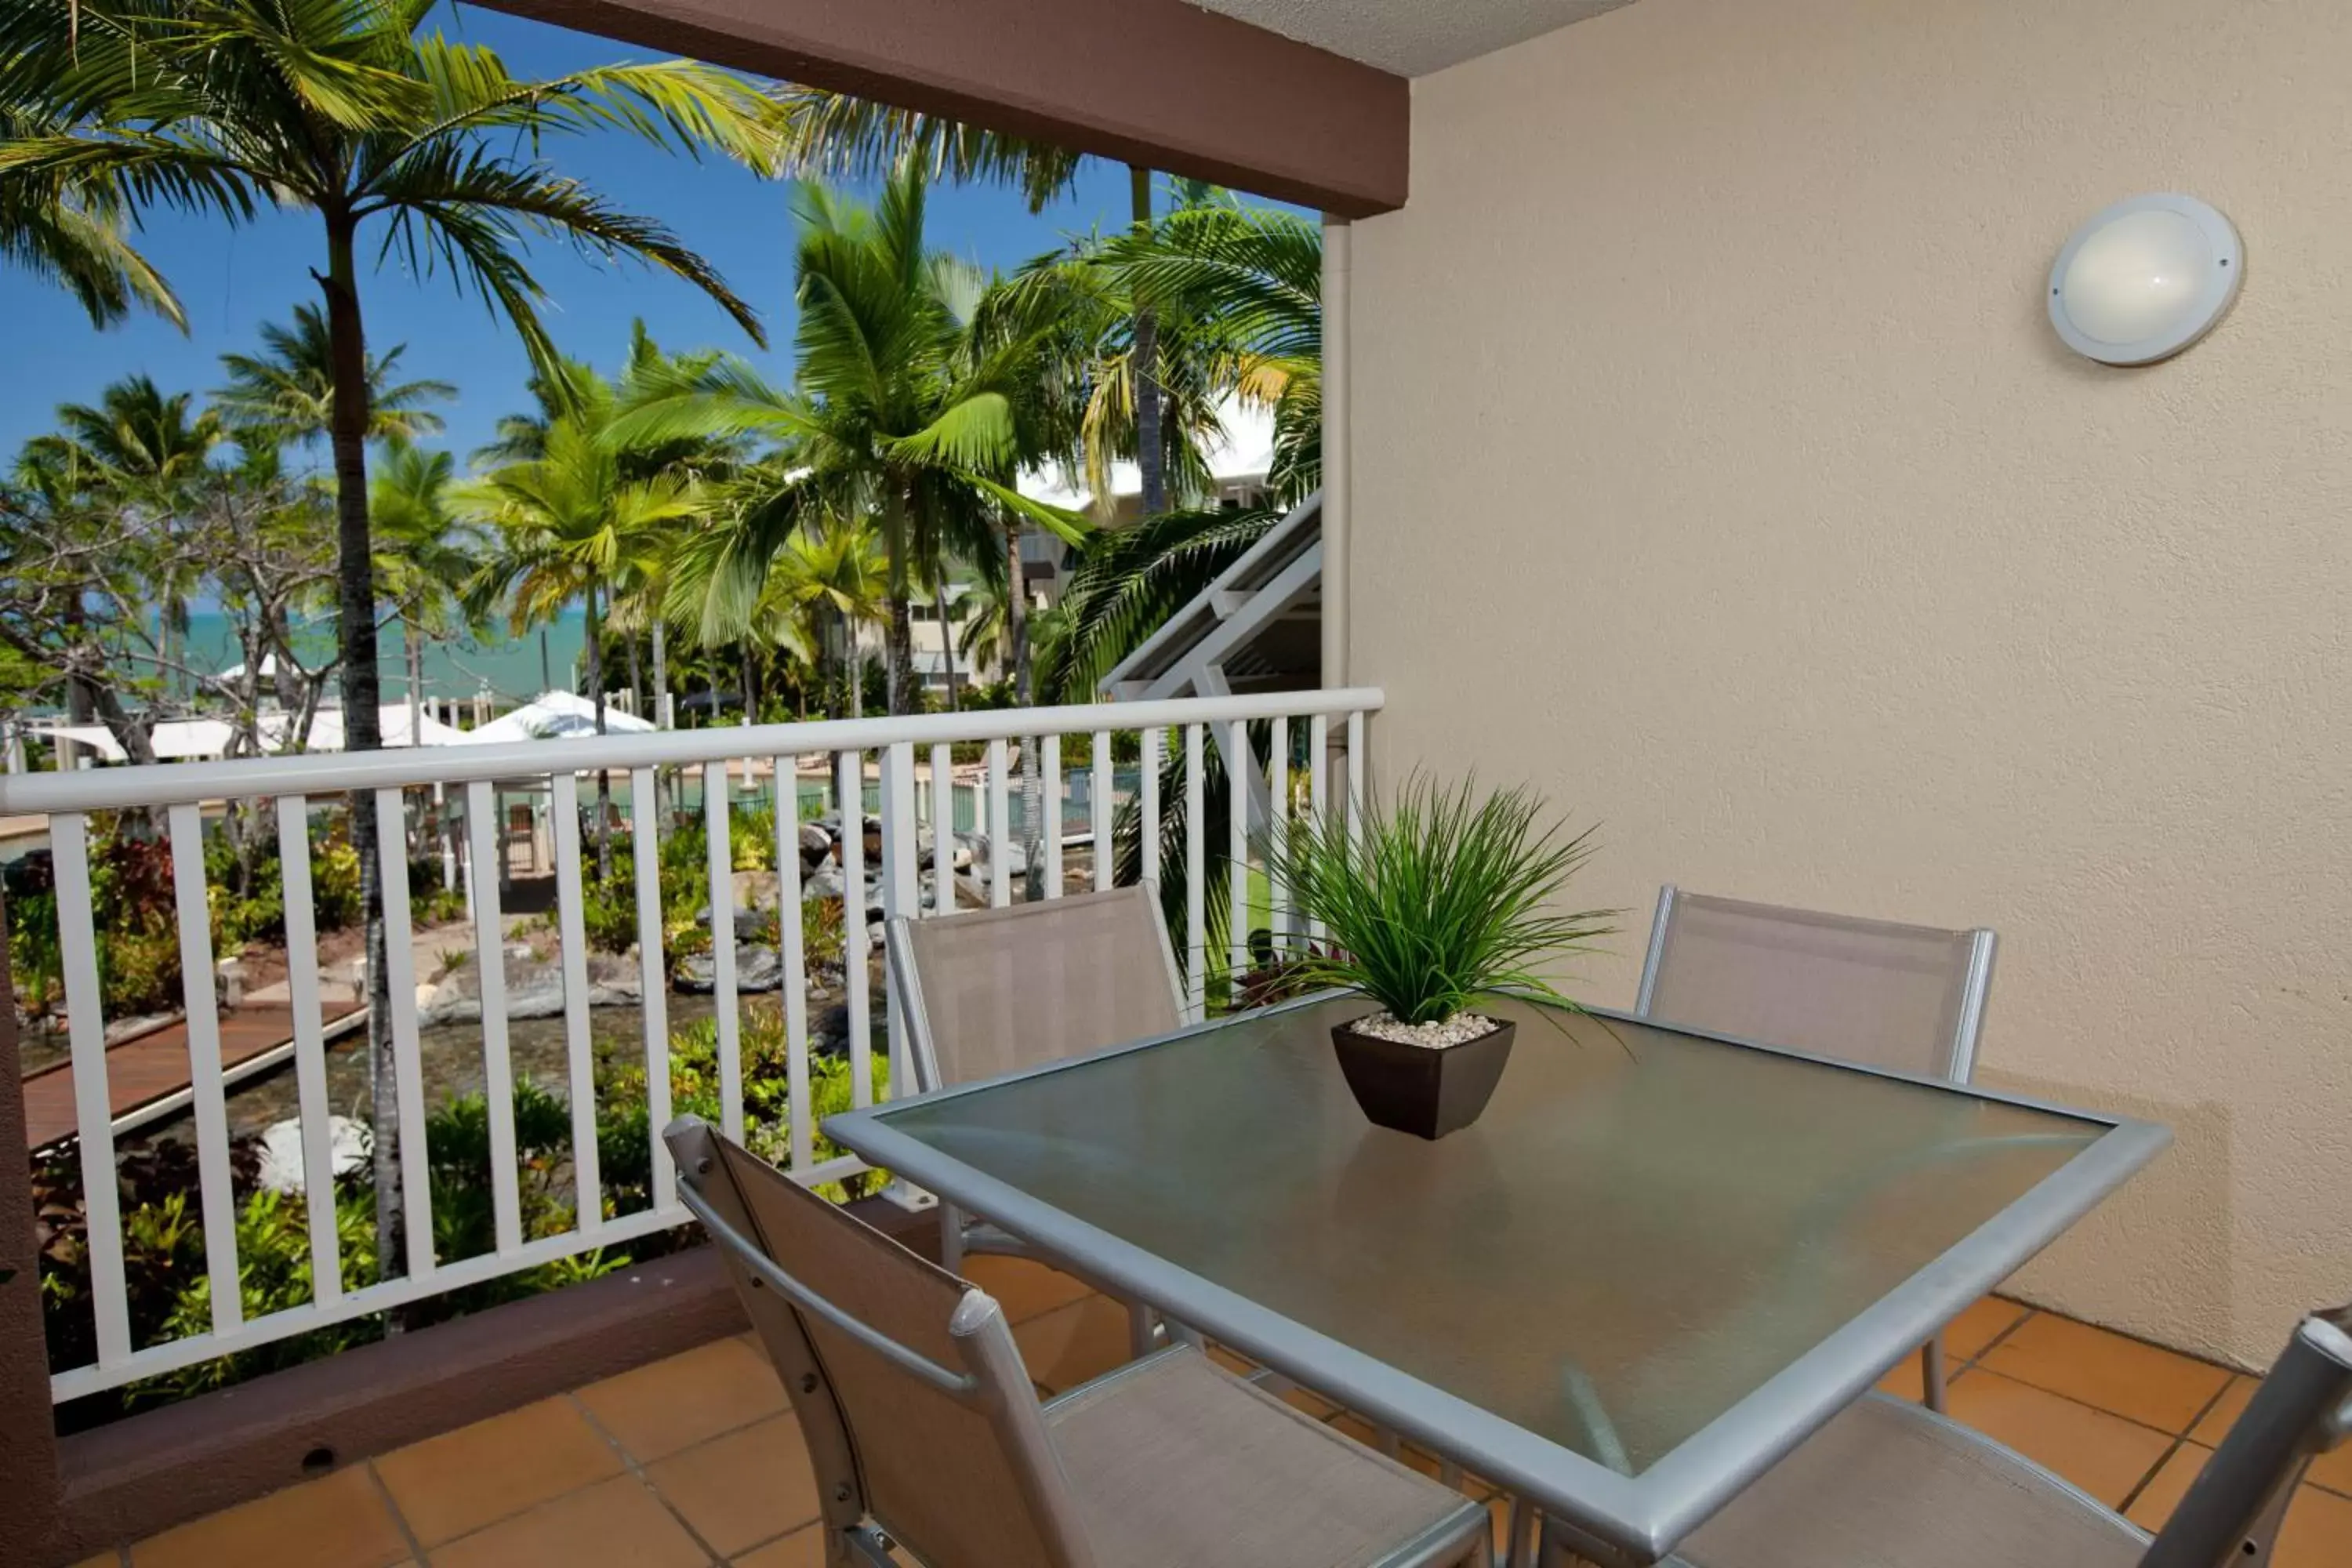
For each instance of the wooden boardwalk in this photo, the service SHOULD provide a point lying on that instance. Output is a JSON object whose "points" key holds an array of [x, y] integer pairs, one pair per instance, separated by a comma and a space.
{"points": [[154, 1066]]}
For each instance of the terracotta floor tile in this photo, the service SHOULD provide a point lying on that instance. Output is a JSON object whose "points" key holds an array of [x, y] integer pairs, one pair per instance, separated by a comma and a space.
{"points": [[616, 1522], [801, 1549], [457, 1482], [1905, 1380], [2216, 1423], [2138, 1382], [657, 1409], [744, 1487], [1024, 1288], [1065, 1347], [2332, 1471], [1966, 1336], [103, 1560], [2105, 1455], [2163, 1493], [1309, 1402], [2317, 1533], [336, 1522]]}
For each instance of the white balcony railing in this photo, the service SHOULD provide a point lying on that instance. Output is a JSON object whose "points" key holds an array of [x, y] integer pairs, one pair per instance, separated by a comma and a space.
{"points": [[912, 770]]}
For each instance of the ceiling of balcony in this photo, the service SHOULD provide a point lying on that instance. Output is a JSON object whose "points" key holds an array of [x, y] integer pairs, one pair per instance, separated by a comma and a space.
{"points": [[1410, 37]]}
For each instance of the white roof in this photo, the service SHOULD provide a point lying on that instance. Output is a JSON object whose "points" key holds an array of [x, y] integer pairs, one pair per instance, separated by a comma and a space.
{"points": [[1246, 452], [182, 740], [554, 716]]}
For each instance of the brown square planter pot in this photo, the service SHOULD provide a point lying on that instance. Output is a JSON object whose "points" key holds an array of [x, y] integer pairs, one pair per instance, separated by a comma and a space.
{"points": [[1428, 1091]]}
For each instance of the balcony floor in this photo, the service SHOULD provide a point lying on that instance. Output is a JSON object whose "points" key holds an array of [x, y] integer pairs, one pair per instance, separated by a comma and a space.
{"points": [[696, 1460]]}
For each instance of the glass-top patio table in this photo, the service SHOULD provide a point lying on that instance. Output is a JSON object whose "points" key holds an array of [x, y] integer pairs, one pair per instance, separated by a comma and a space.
{"points": [[1656, 1263]]}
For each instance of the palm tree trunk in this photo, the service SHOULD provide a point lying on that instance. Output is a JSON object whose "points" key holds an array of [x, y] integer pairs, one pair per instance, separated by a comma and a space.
{"points": [[660, 715], [903, 696], [636, 677], [415, 680], [1151, 456], [947, 633], [604, 776], [363, 732], [857, 669], [1033, 783]]}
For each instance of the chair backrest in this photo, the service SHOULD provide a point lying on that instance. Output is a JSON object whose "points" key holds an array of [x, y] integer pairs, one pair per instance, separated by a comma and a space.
{"points": [[996, 990], [2234, 1509], [908, 1387], [1888, 995]]}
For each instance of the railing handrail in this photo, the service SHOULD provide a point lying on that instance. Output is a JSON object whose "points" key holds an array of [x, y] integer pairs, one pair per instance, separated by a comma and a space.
{"points": [[187, 783]]}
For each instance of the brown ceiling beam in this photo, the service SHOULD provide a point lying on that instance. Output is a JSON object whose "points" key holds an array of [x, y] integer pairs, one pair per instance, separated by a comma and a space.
{"points": [[1157, 82]]}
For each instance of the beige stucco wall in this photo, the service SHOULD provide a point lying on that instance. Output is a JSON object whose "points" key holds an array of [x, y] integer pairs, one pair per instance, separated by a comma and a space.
{"points": [[1715, 468]]}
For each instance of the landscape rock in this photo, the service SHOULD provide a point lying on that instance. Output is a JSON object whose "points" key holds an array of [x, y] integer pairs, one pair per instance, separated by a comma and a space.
{"points": [[348, 1143], [534, 988], [758, 967]]}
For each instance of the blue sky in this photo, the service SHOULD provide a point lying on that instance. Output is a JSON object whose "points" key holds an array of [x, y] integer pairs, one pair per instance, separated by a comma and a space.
{"points": [[232, 281]]}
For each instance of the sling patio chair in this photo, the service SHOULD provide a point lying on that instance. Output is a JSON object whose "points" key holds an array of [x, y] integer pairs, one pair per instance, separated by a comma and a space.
{"points": [[1892, 1485], [995, 991], [925, 1431], [1905, 997]]}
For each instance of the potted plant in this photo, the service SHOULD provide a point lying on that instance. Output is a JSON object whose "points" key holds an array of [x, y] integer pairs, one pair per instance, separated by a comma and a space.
{"points": [[1440, 900]]}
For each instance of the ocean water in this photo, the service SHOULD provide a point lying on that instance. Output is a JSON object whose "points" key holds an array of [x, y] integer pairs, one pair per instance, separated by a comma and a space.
{"points": [[513, 668]]}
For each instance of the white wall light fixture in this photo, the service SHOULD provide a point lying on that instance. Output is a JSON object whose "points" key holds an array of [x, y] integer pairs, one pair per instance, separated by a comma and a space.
{"points": [[2145, 278]]}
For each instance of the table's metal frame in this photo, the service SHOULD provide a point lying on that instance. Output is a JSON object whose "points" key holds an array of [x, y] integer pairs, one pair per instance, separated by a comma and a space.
{"points": [[1597, 1511]]}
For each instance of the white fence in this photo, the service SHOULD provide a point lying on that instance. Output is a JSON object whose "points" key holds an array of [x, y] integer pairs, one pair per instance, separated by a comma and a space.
{"points": [[1333, 725]]}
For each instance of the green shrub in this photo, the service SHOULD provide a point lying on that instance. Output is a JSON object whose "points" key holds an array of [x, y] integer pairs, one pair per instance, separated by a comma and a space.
{"points": [[623, 1132], [139, 971]]}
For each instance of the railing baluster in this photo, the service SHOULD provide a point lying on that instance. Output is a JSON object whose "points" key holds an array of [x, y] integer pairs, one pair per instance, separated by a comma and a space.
{"points": [[1356, 777], [653, 980], [1241, 771], [93, 1112], [1319, 768], [793, 953], [407, 1051], [1148, 818], [310, 1047], [1050, 808], [999, 827], [943, 838], [1278, 815], [209, 1102], [849, 770], [900, 867], [571, 932], [498, 1068], [716, 815], [1196, 928], [1098, 785]]}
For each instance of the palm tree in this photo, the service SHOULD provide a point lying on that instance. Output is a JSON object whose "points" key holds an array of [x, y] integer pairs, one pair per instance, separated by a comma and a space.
{"points": [[352, 113], [226, 106], [287, 391], [822, 588], [829, 136], [136, 449], [893, 418], [74, 239], [426, 553], [1256, 275], [570, 524], [136, 434], [1253, 279]]}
